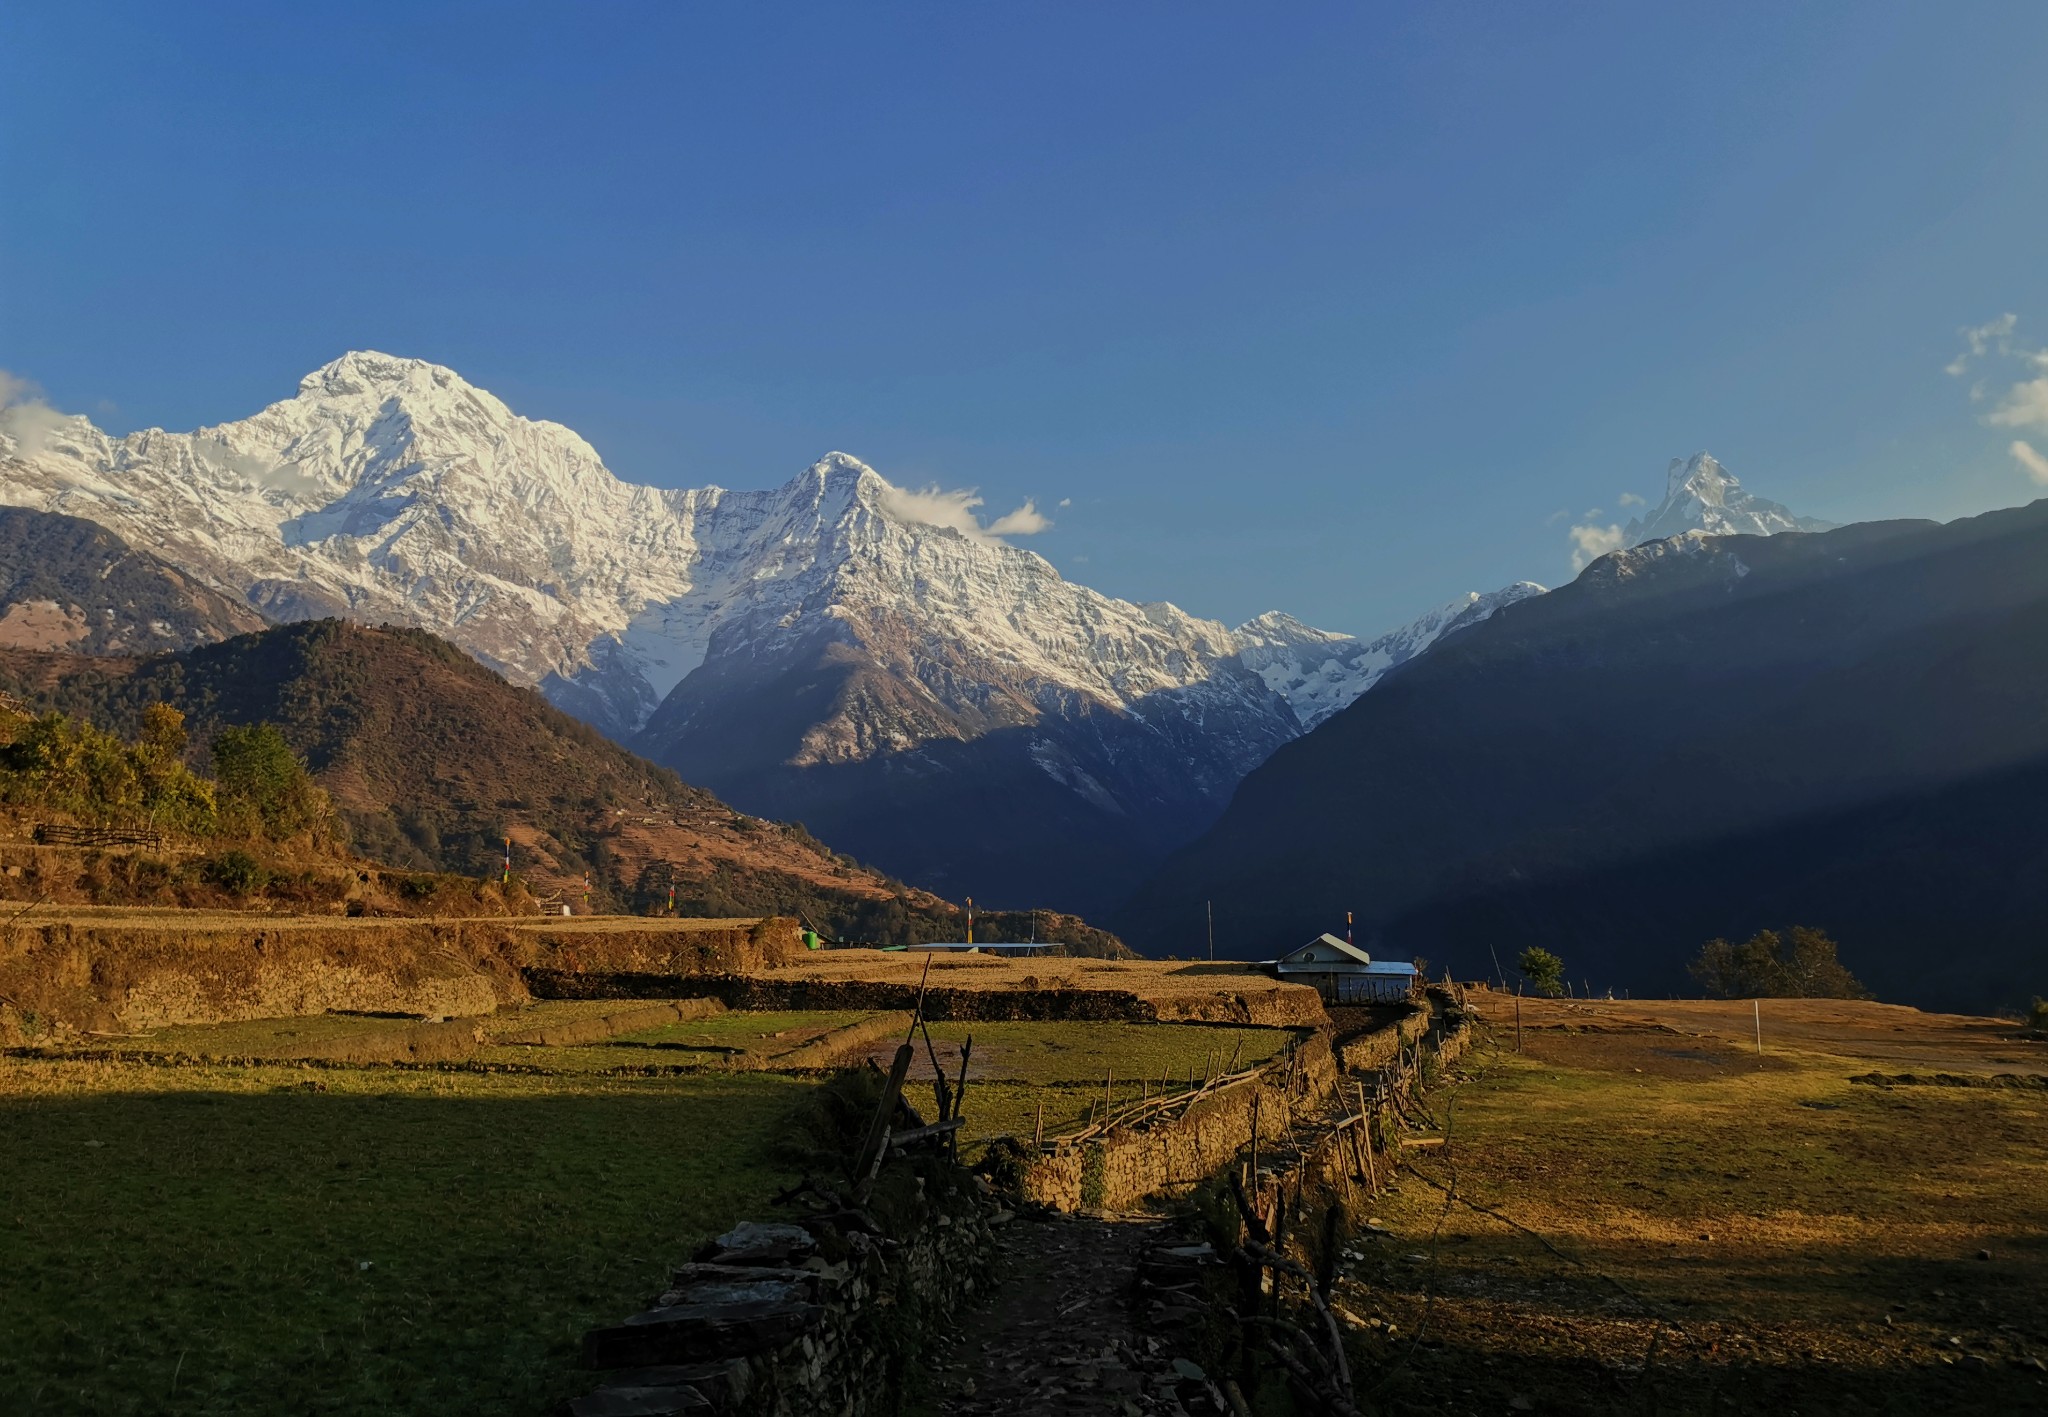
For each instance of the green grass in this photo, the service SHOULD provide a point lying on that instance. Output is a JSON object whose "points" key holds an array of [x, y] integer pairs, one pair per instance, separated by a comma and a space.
{"points": [[756, 1032], [1088, 1052], [231, 1241]]}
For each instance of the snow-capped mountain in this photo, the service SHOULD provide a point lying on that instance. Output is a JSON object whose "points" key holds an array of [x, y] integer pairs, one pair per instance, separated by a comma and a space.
{"points": [[1701, 495], [1319, 673], [751, 639]]}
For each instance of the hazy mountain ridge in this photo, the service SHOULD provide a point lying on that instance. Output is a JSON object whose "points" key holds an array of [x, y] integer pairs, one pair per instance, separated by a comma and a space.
{"points": [[1698, 736]]}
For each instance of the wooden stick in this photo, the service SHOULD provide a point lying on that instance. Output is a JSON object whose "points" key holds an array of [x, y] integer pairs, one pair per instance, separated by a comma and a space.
{"points": [[939, 1088], [1255, 1143], [960, 1089], [1038, 1135], [1372, 1171], [917, 1014], [878, 1128]]}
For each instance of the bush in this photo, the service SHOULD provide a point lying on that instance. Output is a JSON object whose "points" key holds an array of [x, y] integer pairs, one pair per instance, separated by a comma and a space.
{"points": [[237, 872], [1543, 970], [2037, 1017], [264, 788], [1800, 965]]}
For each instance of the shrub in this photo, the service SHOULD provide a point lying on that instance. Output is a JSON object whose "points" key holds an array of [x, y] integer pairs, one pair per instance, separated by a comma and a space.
{"points": [[264, 787], [1800, 965], [1543, 970], [236, 872]]}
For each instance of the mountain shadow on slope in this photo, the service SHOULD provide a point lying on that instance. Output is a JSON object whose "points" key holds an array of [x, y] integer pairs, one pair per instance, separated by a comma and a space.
{"points": [[1698, 737], [1067, 807], [70, 584], [432, 760]]}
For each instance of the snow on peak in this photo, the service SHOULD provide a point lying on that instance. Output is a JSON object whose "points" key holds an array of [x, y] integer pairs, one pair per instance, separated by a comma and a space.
{"points": [[393, 489], [1702, 495], [364, 370], [1318, 672]]}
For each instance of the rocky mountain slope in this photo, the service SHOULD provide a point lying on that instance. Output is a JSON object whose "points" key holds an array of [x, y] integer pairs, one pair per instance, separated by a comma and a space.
{"points": [[67, 584], [1700, 736], [432, 760], [916, 692]]}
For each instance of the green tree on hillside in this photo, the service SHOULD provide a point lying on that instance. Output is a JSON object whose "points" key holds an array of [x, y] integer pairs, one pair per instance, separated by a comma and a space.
{"points": [[264, 788], [1543, 970], [1800, 965], [57, 764]]}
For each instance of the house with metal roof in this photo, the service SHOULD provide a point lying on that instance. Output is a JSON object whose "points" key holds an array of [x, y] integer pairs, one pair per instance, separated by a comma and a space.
{"points": [[1345, 974]]}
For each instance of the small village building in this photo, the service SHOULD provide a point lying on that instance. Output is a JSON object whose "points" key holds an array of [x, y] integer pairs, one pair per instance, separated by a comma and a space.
{"points": [[1345, 974]]}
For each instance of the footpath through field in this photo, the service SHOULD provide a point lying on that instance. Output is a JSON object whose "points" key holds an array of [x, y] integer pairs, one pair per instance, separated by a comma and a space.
{"points": [[1059, 1334]]}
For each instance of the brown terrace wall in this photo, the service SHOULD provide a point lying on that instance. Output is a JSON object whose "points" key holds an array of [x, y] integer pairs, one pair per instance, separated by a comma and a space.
{"points": [[1123, 1168]]}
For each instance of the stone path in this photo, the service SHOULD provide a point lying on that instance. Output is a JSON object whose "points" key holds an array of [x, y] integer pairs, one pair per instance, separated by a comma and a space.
{"points": [[1059, 1334]]}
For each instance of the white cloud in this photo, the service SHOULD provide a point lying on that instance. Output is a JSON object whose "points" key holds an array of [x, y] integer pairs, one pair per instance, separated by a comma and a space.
{"points": [[936, 506], [1027, 520], [24, 416], [1994, 336], [1066, 502], [1629, 499], [2025, 405], [2033, 462], [1590, 543], [1557, 516], [1592, 512]]}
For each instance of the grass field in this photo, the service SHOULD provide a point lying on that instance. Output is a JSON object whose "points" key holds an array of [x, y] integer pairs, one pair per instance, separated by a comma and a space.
{"points": [[266, 1240], [181, 1236], [1650, 1217]]}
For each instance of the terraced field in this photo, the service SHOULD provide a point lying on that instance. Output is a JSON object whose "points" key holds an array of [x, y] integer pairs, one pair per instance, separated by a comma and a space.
{"points": [[358, 1215]]}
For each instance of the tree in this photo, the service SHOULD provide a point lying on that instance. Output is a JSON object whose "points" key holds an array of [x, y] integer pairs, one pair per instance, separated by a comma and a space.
{"points": [[264, 788], [1543, 970], [1767, 965]]}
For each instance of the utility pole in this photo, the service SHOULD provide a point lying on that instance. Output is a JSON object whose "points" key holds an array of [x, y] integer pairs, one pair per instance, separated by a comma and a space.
{"points": [[1209, 908]]}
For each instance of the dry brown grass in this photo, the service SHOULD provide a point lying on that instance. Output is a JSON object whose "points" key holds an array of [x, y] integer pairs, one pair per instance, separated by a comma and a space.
{"points": [[1648, 1216]]}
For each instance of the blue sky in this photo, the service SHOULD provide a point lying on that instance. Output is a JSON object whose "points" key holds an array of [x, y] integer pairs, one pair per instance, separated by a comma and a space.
{"points": [[1336, 310]]}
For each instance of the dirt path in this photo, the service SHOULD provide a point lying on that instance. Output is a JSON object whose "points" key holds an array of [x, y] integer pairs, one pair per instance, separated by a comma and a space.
{"points": [[1058, 1333]]}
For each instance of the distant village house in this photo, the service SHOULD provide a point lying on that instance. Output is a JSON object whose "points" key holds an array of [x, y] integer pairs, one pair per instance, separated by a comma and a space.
{"points": [[1345, 974]]}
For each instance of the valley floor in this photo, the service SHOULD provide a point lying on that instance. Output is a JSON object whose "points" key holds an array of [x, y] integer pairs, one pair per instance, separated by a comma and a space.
{"points": [[1636, 1212]]}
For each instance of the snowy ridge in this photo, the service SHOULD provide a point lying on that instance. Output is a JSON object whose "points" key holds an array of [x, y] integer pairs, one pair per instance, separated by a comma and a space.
{"points": [[391, 489], [1318, 673], [1701, 495]]}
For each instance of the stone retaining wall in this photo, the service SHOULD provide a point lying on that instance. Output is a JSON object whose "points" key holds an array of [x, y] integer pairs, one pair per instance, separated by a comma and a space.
{"points": [[118, 971], [788, 1320], [1381, 1047], [1122, 1168], [1252, 1007]]}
